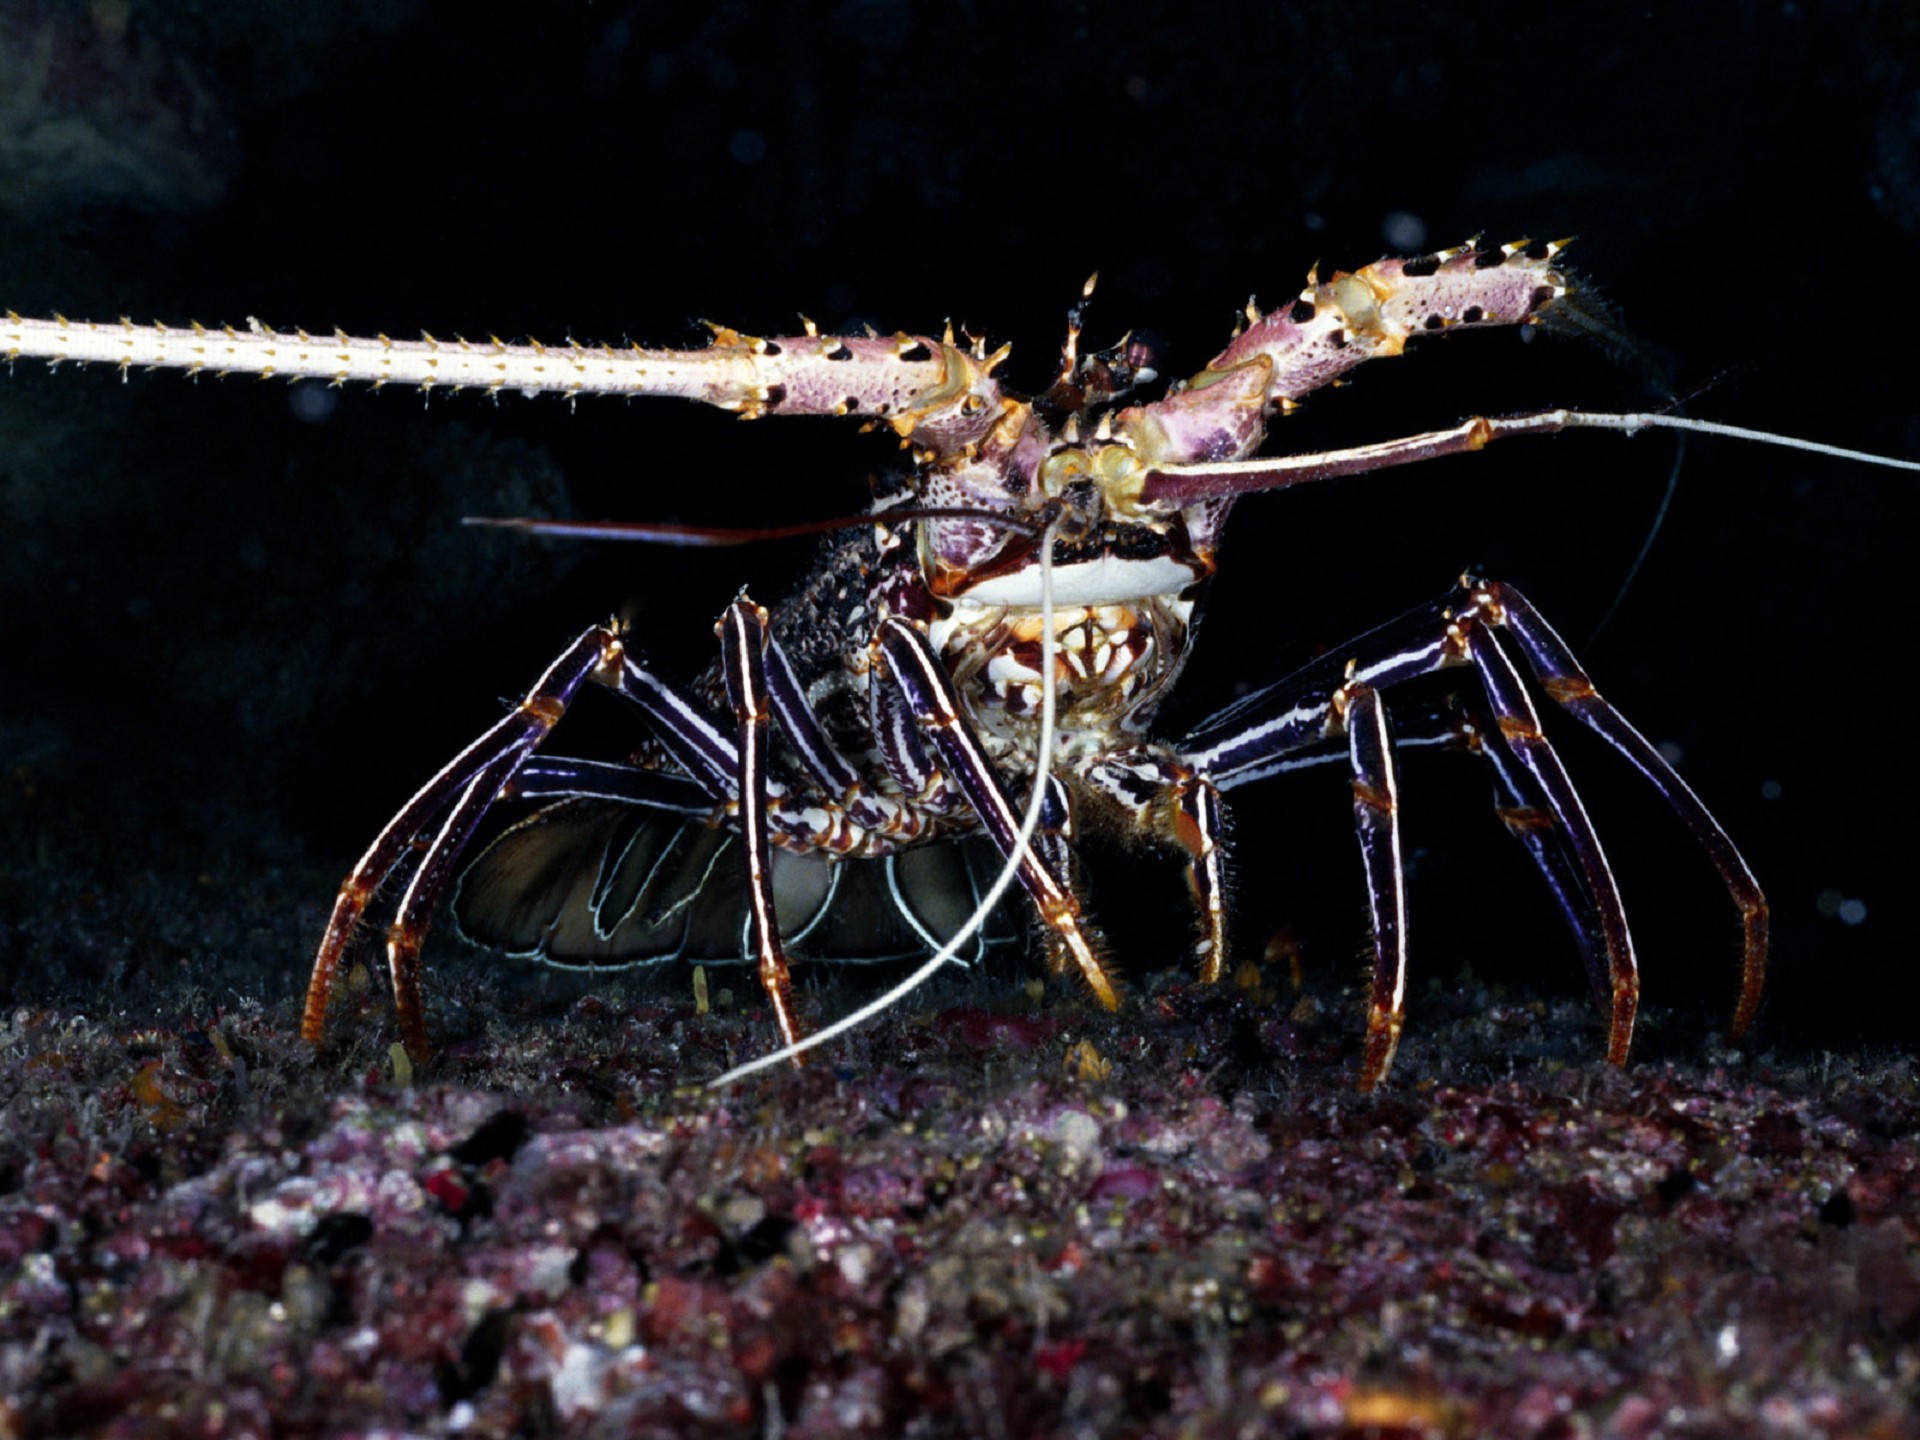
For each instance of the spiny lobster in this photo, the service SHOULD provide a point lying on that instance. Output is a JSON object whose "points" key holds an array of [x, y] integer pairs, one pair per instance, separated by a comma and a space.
{"points": [[1011, 615]]}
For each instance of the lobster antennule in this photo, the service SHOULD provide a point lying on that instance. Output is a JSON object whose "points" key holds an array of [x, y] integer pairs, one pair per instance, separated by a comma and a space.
{"points": [[1169, 487]]}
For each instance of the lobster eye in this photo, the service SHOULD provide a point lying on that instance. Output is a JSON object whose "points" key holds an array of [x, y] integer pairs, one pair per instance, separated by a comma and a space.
{"points": [[1085, 510]]}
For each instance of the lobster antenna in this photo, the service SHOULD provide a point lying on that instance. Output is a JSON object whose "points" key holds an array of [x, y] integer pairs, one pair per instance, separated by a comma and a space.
{"points": [[1167, 487], [707, 535], [1042, 768], [1630, 424]]}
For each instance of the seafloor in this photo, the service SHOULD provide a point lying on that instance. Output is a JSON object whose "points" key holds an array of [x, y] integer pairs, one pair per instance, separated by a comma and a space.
{"points": [[996, 1213]]}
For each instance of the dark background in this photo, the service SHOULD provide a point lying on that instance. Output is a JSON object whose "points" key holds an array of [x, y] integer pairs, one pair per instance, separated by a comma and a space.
{"points": [[239, 622]]}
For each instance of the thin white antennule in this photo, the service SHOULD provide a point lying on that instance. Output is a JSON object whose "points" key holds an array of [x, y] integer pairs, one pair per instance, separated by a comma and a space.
{"points": [[1632, 424], [1009, 872]]}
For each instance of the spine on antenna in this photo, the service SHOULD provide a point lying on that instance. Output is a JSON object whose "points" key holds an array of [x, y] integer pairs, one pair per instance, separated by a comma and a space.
{"points": [[1334, 325], [901, 378], [1330, 328]]}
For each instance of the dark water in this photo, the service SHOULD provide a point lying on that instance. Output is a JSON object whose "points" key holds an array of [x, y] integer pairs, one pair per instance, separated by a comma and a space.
{"points": [[239, 623]]}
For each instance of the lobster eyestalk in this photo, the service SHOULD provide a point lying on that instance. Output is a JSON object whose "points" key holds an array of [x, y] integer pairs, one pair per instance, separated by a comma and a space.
{"points": [[1170, 487]]}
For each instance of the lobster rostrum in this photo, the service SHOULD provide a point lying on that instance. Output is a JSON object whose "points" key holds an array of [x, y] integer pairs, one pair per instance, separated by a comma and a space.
{"points": [[896, 702]]}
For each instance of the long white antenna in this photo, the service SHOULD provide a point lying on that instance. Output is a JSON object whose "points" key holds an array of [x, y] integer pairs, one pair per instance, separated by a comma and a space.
{"points": [[1632, 424], [1009, 872]]}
